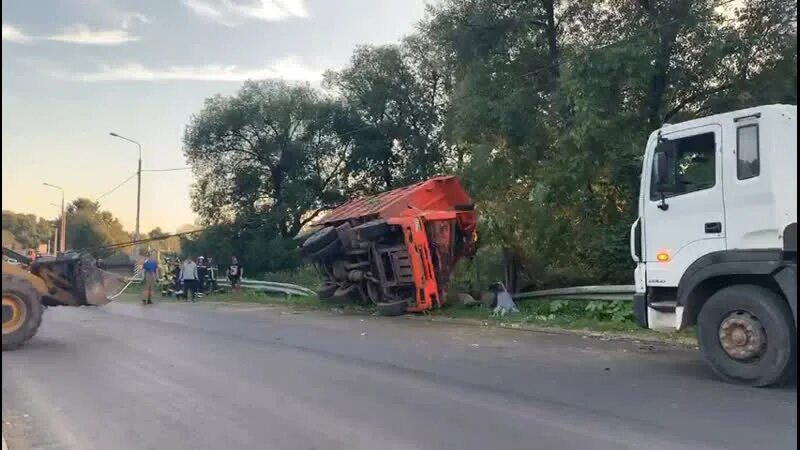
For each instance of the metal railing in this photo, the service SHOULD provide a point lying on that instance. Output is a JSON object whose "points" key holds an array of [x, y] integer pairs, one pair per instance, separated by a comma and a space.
{"points": [[608, 293], [272, 286], [602, 293], [257, 285]]}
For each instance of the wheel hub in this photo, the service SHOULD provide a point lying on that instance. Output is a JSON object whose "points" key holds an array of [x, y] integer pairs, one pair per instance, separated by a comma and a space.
{"points": [[14, 313], [742, 336]]}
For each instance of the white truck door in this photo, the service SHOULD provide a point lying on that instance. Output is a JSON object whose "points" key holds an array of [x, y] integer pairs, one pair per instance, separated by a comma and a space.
{"points": [[750, 212], [684, 217]]}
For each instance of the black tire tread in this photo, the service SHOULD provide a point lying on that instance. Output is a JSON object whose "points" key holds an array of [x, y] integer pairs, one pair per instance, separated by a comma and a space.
{"points": [[762, 298], [327, 290], [326, 252], [372, 230], [392, 309], [319, 240]]}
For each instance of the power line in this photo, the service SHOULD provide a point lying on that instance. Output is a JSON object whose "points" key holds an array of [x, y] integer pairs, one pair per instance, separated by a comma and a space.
{"points": [[119, 245], [173, 169], [115, 187]]}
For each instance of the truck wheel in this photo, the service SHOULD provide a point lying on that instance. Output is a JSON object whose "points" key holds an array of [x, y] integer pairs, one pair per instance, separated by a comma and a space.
{"points": [[392, 309], [327, 290], [319, 240], [22, 312], [326, 252], [747, 336], [372, 230]]}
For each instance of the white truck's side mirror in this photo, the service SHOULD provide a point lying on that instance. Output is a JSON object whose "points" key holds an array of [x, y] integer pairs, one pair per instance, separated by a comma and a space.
{"points": [[661, 170]]}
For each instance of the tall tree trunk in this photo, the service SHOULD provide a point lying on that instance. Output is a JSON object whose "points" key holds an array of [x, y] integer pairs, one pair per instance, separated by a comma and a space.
{"points": [[659, 79], [552, 37]]}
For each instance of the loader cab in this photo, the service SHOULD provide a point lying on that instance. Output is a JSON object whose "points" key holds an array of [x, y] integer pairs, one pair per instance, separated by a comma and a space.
{"points": [[717, 210]]}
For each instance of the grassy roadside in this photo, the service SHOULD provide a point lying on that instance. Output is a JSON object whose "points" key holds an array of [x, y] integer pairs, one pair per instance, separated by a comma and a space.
{"points": [[605, 319]]}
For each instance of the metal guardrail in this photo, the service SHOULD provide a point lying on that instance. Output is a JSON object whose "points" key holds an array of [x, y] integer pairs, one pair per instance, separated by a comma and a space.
{"points": [[608, 293], [272, 286], [258, 285], [602, 293]]}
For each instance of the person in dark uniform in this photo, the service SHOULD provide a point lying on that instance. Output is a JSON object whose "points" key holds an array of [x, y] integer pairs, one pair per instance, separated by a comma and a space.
{"points": [[235, 274], [202, 273]]}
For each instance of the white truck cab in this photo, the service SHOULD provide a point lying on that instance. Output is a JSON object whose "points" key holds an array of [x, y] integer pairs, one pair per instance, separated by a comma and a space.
{"points": [[715, 244]]}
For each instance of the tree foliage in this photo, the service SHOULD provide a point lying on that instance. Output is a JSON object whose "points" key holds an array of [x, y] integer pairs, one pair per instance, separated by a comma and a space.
{"points": [[542, 107], [90, 228], [269, 154], [26, 230]]}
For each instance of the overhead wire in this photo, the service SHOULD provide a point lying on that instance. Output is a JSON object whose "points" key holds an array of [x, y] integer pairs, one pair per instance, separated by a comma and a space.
{"points": [[110, 191], [173, 169]]}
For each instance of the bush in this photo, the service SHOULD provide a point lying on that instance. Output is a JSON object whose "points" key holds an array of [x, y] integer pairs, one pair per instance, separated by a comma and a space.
{"points": [[306, 276]]}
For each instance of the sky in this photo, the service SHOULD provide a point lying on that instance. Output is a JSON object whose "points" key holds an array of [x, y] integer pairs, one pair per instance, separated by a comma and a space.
{"points": [[75, 70]]}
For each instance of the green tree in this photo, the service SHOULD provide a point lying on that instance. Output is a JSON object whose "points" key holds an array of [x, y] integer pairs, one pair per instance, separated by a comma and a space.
{"points": [[90, 228], [269, 154], [10, 241], [394, 95], [28, 230]]}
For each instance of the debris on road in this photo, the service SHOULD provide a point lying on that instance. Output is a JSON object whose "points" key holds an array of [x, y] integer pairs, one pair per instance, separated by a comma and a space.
{"points": [[505, 304]]}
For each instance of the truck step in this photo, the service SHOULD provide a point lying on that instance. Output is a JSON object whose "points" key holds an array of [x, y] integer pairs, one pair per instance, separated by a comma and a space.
{"points": [[664, 306]]}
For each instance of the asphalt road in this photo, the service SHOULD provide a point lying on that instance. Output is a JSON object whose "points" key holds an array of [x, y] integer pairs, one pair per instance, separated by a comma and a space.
{"points": [[125, 376]]}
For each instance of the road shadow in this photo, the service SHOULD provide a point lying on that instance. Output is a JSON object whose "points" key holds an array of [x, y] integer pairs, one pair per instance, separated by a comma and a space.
{"points": [[42, 345], [697, 369]]}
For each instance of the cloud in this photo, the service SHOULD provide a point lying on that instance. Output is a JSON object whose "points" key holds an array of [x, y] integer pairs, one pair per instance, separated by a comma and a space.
{"points": [[82, 34], [289, 69], [131, 18], [234, 12], [13, 34]]}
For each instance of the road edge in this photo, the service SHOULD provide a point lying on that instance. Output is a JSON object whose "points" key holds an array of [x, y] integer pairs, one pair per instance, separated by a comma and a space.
{"points": [[679, 341], [609, 335]]}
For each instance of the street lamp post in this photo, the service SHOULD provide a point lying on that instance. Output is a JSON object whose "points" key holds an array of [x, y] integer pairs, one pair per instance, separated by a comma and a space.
{"points": [[138, 193], [62, 239], [54, 248]]}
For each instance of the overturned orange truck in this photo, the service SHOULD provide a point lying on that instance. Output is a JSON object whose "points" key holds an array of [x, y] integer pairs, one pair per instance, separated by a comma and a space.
{"points": [[396, 249]]}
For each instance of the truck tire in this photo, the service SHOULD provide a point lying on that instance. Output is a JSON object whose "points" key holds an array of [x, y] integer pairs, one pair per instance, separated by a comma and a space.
{"points": [[305, 234], [327, 290], [372, 230], [327, 251], [319, 240], [746, 334], [397, 308], [22, 312]]}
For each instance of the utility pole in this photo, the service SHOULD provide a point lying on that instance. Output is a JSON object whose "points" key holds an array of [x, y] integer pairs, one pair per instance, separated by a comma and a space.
{"points": [[135, 255], [63, 237]]}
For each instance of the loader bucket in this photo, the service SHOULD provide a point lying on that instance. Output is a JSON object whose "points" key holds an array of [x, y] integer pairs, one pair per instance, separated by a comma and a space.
{"points": [[99, 286]]}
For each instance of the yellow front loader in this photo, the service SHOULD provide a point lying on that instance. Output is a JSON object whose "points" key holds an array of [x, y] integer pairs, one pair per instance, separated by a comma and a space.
{"points": [[29, 286]]}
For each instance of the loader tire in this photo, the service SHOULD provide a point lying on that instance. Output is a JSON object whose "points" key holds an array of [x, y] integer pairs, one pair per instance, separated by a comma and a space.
{"points": [[319, 240], [22, 312], [372, 230], [392, 309]]}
